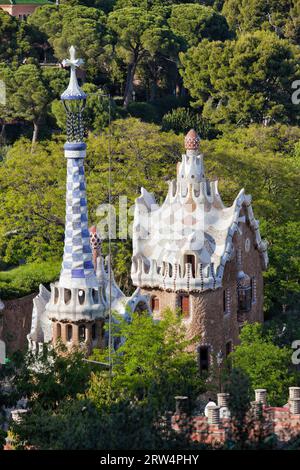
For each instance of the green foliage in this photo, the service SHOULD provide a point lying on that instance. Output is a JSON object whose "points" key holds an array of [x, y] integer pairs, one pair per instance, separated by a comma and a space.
{"points": [[151, 365], [53, 377], [243, 81], [267, 365], [81, 26], [181, 120], [253, 14], [148, 370], [140, 34], [96, 113], [26, 279], [193, 22], [14, 41], [32, 208], [144, 111], [283, 276]]}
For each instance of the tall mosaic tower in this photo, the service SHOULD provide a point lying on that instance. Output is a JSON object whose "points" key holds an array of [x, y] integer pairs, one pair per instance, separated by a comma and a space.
{"points": [[76, 307]]}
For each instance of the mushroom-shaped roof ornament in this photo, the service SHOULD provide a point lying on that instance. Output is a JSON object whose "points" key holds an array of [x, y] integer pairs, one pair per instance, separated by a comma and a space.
{"points": [[192, 140]]}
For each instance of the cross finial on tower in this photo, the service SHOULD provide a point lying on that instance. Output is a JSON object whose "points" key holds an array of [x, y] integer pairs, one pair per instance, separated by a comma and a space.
{"points": [[72, 62], [73, 92]]}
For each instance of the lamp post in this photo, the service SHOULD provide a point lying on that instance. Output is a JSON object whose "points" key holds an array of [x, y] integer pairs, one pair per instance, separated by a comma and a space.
{"points": [[220, 358]]}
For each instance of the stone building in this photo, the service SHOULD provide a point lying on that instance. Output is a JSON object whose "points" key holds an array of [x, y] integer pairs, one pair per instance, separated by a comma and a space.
{"points": [[77, 307], [194, 254], [22, 8]]}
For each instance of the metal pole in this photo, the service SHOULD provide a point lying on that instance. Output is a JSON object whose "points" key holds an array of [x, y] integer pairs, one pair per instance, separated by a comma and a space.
{"points": [[109, 241], [109, 233]]}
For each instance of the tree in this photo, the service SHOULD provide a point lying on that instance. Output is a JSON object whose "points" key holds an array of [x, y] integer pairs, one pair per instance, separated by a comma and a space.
{"points": [[31, 96], [181, 120], [14, 39], [81, 26], [139, 33], [243, 81], [151, 365], [96, 113], [267, 365], [256, 14], [51, 377], [283, 275], [32, 202], [149, 369], [7, 112], [194, 22]]}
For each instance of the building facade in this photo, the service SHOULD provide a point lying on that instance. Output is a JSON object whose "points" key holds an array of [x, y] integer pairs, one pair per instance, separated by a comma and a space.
{"points": [[194, 254], [22, 8]]}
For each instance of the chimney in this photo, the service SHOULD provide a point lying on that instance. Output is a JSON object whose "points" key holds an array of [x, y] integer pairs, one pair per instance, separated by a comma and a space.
{"points": [[256, 408], [261, 396], [182, 405], [223, 399], [294, 406], [213, 415], [294, 392]]}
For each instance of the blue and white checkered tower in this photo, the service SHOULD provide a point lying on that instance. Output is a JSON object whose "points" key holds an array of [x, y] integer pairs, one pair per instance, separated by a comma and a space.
{"points": [[77, 296]]}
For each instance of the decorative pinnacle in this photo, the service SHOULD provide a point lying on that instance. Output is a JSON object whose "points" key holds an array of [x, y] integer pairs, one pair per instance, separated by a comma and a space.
{"points": [[192, 140], [73, 92]]}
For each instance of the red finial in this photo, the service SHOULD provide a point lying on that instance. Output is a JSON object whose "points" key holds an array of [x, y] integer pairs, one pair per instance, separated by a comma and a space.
{"points": [[192, 140], [95, 242]]}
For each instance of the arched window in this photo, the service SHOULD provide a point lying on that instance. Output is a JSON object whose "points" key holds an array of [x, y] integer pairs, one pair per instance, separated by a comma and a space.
{"points": [[58, 330], [81, 296], [190, 259], [67, 296], [184, 304], [155, 304], [56, 294], [69, 332], [95, 294], [244, 291], [82, 333], [203, 358]]}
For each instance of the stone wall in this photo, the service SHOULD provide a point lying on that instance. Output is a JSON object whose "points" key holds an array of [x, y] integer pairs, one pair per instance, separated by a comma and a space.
{"points": [[16, 323]]}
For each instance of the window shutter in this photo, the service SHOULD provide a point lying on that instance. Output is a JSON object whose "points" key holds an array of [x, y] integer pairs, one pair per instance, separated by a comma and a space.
{"points": [[185, 305]]}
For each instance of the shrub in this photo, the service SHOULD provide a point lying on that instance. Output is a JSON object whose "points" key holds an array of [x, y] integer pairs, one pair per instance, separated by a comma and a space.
{"points": [[144, 111], [181, 120], [26, 279]]}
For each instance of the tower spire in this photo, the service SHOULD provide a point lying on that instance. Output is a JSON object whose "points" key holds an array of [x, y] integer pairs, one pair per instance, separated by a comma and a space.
{"points": [[78, 267], [76, 299]]}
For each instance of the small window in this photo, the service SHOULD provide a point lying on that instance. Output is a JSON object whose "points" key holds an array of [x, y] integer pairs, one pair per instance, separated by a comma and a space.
{"points": [[155, 304], [95, 296], [203, 358], [82, 333], [56, 294], [58, 330], [81, 296], [69, 332], [244, 299], [94, 331], [67, 296], [190, 259], [185, 305]]}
